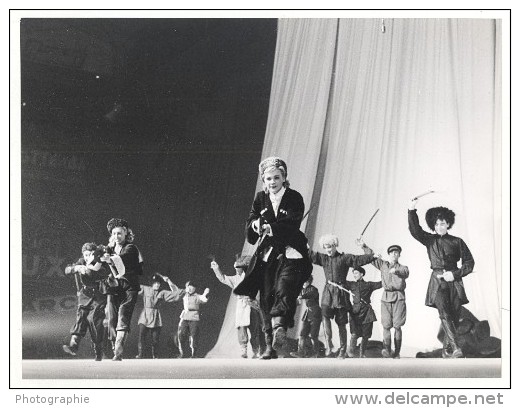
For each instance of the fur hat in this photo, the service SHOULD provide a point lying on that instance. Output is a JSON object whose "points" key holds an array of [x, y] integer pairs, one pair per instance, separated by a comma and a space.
{"points": [[272, 162], [116, 222], [439, 213]]}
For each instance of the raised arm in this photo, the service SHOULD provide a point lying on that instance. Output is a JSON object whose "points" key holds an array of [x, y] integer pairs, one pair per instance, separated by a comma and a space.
{"points": [[413, 224], [176, 293], [230, 281], [376, 260], [204, 297]]}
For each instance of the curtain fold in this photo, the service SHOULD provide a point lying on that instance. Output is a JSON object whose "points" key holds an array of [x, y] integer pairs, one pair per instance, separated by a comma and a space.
{"points": [[367, 120]]}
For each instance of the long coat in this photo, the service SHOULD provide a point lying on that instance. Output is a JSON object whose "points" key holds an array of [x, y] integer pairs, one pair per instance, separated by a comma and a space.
{"points": [[444, 252]]}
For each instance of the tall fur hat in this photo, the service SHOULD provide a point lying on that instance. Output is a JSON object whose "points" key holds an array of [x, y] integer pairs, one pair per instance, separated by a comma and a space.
{"points": [[116, 222], [439, 213], [272, 162]]}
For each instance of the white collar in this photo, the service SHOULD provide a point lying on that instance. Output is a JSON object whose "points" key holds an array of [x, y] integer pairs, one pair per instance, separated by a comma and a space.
{"points": [[277, 196]]}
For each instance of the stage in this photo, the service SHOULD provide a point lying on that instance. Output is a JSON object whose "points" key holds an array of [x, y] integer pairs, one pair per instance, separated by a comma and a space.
{"points": [[231, 369]]}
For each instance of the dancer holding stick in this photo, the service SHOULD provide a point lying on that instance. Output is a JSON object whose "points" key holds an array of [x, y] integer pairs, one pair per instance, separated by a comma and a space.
{"points": [[446, 290], [335, 302], [281, 263]]}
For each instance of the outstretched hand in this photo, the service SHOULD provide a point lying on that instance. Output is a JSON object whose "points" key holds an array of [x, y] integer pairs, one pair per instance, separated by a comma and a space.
{"points": [[214, 266], [206, 291], [359, 241]]}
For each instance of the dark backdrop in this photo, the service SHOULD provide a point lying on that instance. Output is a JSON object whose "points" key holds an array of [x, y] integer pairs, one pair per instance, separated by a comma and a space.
{"points": [[158, 121]]}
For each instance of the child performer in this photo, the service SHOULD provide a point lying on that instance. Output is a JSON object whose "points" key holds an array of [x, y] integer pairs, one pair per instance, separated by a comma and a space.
{"points": [[335, 303], [281, 264], [393, 303], [190, 317], [124, 257], [362, 316], [445, 291], [150, 319], [311, 320], [91, 302], [247, 310]]}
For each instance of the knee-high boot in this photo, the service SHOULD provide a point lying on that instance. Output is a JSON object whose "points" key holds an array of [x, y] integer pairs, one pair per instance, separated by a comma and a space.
{"points": [[363, 347], [342, 341], [269, 353], [327, 331], [397, 351], [301, 349], [119, 345], [98, 350], [352, 346], [315, 348], [450, 335], [387, 344]]}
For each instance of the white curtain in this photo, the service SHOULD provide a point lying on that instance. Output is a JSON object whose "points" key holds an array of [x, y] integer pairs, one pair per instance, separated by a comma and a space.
{"points": [[367, 120]]}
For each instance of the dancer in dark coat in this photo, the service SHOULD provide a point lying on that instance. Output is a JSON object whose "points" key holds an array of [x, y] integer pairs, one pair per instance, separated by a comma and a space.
{"points": [[91, 301], [445, 291], [281, 263]]}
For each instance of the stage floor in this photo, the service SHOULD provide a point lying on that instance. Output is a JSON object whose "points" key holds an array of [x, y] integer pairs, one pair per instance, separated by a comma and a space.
{"points": [[186, 369]]}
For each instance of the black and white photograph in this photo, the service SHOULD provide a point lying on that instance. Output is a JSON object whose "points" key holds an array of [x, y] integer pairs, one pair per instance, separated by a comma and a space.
{"points": [[260, 199]]}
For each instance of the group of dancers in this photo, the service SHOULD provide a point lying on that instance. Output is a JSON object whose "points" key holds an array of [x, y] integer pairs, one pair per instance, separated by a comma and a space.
{"points": [[107, 279], [270, 284]]}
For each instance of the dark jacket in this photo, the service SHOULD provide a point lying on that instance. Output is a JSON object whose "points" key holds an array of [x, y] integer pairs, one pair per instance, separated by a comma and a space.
{"points": [[285, 227], [131, 258], [89, 283], [361, 293], [336, 269], [310, 295], [444, 252]]}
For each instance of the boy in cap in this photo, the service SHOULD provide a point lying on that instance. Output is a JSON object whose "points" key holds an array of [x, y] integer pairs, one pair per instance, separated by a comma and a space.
{"points": [[445, 290], [335, 303], [311, 320], [150, 319], [281, 263], [362, 316], [247, 310], [91, 301], [393, 303], [190, 318]]}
